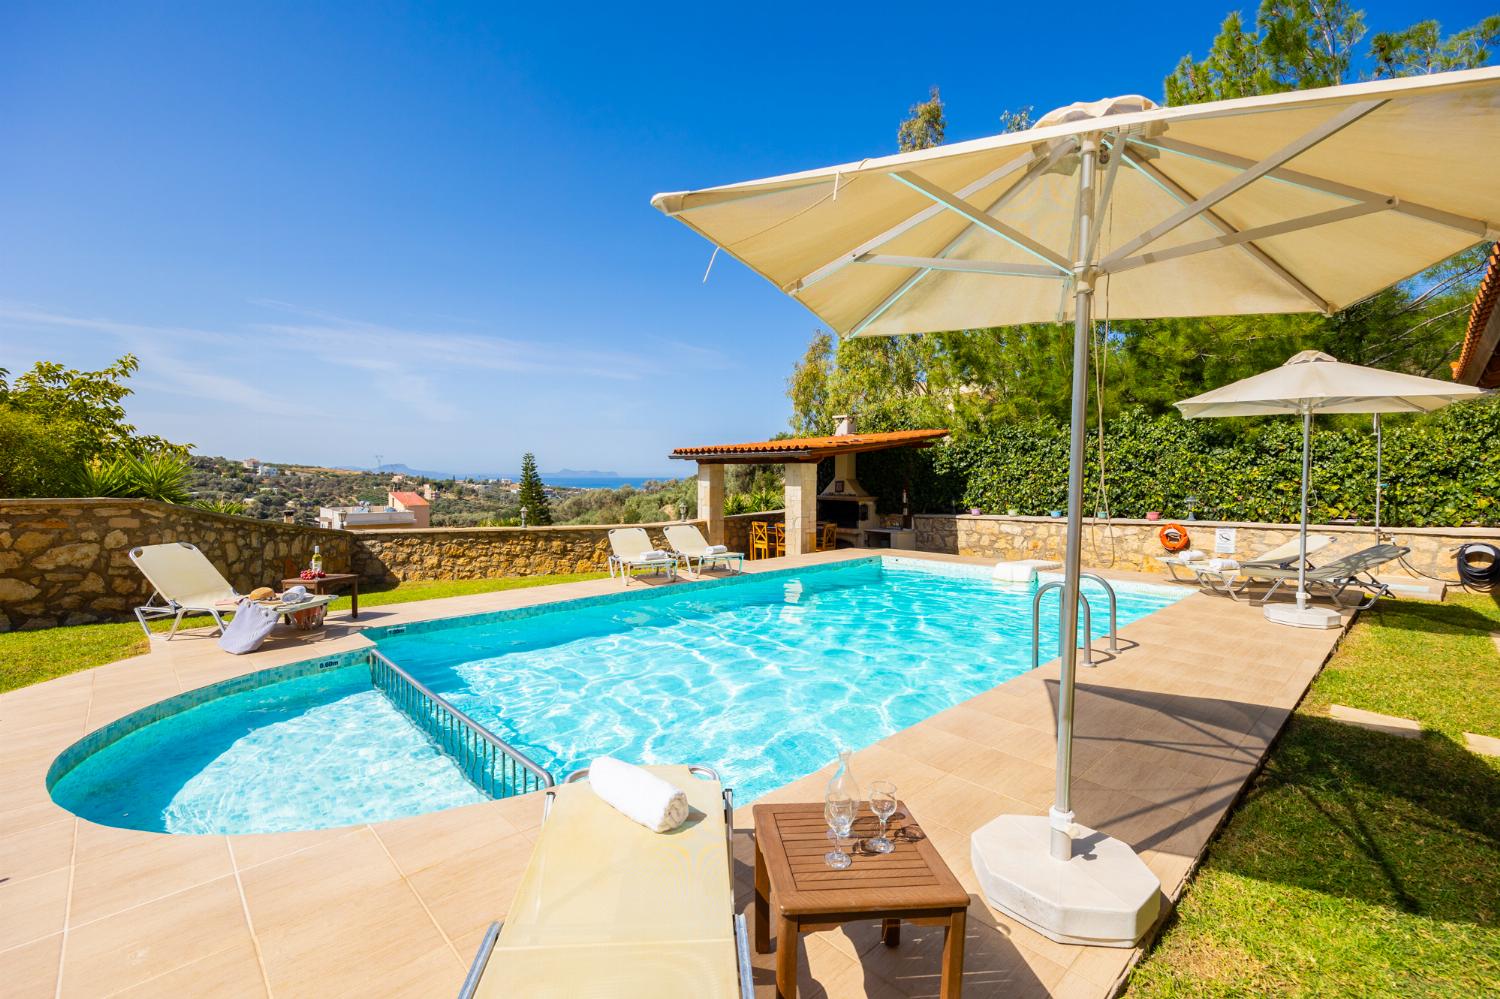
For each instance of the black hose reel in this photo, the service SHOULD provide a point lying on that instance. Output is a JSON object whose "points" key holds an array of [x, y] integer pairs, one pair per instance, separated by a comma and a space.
{"points": [[1479, 564]]}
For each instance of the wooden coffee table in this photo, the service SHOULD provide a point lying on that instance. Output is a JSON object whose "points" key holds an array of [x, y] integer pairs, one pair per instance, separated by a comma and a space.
{"points": [[331, 583], [910, 883]]}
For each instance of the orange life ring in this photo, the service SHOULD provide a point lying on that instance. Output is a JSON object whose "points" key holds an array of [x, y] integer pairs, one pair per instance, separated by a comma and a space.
{"points": [[1174, 538]]}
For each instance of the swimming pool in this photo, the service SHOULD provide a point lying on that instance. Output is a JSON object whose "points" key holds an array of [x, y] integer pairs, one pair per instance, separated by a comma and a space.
{"points": [[763, 677]]}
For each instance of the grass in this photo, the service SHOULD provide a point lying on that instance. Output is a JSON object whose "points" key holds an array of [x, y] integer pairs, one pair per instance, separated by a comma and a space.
{"points": [[28, 657], [1360, 863]]}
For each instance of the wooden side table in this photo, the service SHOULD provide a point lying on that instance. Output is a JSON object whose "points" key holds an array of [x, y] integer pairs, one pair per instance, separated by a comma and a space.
{"points": [[331, 583], [910, 883]]}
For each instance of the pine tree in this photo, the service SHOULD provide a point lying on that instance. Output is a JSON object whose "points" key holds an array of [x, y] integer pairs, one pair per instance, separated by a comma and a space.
{"points": [[533, 496]]}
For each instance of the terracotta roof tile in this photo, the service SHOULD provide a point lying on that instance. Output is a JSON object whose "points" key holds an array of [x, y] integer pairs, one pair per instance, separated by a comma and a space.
{"points": [[1476, 364], [409, 499], [809, 448]]}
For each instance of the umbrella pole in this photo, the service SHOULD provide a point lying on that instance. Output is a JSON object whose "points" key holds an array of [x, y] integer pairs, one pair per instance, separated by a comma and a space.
{"points": [[1061, 813], [1306, 474]]}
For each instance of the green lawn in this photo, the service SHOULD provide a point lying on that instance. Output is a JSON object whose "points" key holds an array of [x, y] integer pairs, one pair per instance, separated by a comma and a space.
{"points": [[28, 657], [1360, 864]]}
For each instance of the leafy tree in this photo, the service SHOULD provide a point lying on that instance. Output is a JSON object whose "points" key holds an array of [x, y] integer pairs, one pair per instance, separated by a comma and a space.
{"points": [[31, 464], [533, 496], [924, 126], [87, 408], [1421, 48]]}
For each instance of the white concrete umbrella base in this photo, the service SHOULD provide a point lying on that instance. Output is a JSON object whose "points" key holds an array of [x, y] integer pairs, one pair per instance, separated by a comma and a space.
{"points": [[1104, 897], [1303, 617]]}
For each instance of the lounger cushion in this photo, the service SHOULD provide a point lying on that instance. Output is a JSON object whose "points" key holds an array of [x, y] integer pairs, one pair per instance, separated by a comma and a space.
{"points": [[609, 908]]}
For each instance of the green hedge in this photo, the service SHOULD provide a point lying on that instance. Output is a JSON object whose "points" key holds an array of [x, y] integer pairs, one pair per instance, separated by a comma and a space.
{"points": [[1440, 469]]}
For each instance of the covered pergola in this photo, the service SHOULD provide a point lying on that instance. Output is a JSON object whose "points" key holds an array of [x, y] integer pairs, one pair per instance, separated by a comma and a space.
{"points": [[799, 456]]}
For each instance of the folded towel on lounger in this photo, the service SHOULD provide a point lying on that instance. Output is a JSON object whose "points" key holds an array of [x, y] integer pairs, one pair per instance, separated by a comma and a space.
{"points": [[639, 795], [295, 595], [1221, 564], [654, 555], [716, 550], [1191, 555]]}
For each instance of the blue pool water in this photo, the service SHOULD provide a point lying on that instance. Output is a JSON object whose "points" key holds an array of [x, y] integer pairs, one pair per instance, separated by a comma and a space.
{"points": [[321, 750], [763, 677]]}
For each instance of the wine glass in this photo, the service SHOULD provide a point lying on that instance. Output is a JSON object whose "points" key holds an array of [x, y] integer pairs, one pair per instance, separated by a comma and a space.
{"points": [[883, 804], [839, 813]]}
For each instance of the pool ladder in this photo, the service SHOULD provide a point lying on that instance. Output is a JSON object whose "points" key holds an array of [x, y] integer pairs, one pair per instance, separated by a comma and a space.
{"points": [[495, 767], [1088, 619]]}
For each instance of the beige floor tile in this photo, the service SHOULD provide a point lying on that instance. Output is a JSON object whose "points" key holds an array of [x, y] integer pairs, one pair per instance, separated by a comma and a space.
{"points": [[252, 850], [119, 868], [128, 948], [30, 970], [232, 973], [33, 908], [422, 841], [37, 850], [960, 805], [467, 891]]}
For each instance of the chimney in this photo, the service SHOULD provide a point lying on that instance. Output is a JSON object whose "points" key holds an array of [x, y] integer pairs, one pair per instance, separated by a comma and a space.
{"points": [[845, 425]]}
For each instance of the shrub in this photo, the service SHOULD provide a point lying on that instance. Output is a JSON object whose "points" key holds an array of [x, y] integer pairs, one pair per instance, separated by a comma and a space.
{"points": [[1438, 468]]}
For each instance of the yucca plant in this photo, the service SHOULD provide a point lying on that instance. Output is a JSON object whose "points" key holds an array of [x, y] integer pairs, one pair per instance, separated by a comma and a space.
{"points": [[225, 506], [160, 477], [104, 478]]}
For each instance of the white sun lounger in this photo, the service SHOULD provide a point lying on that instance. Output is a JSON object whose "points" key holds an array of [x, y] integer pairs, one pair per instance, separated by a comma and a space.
{"points": [[1233, 578], [186, 582], [608, 908], [629, 547], [688, 543]]}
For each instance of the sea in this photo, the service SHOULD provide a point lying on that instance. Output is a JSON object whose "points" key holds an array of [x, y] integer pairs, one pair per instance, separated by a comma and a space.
{"points": [[601, 481]]}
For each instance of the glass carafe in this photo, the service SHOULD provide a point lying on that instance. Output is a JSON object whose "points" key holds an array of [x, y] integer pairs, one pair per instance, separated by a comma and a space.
{"points": [[842, 784]]}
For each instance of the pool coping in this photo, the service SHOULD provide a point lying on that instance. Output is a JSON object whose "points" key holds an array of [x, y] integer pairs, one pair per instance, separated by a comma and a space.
{"points": [[94, 909]]}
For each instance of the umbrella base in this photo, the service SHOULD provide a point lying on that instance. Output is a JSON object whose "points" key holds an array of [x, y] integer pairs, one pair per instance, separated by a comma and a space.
{"points": [[1104, 897], [1303, 617]]}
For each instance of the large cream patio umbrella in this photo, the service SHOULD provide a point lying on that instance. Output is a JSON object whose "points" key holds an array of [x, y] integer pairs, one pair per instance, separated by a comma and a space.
{"points": [[1310, 383], [1298, 202]]}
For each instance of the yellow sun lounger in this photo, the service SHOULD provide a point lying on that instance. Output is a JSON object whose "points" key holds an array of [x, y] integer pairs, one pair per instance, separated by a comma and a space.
{"points": [[608, 908]]}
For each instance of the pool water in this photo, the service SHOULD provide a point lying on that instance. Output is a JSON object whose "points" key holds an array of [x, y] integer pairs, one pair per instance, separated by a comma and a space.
{"points": [[765, 678], [321, 750]]}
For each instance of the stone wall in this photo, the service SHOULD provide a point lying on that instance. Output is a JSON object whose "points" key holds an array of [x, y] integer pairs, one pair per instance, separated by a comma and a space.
{"points": [[485, 552], [1132, 544], [66, 561]]}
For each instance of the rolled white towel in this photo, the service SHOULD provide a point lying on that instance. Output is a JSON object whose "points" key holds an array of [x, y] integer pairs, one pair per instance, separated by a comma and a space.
{"points": [[295, 595], [1221, 564], [654, 555], [716, 549], [1191, 555], [654, 803]]}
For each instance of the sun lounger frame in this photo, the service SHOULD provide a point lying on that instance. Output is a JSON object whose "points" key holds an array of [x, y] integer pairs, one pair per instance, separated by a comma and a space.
{"points": [[741, 933]]}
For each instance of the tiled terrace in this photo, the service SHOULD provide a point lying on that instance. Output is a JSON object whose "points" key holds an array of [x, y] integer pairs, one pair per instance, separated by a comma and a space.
{"points": [[1167, 733]]}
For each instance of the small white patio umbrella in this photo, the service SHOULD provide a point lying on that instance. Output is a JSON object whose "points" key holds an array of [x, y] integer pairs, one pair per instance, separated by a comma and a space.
{"points": [[1310, 383], [1296, 202]]}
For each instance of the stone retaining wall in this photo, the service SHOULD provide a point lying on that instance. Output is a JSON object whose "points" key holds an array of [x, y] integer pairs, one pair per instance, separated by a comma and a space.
{"points": [[486, 552], [1132, 544], [66, 561]]}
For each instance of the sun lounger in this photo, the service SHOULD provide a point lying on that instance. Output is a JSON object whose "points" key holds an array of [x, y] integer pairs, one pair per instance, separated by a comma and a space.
{"points": [[688, 543], [608, 908], [631, 549], [1354, 571], [1221, 577], [186, 582]]}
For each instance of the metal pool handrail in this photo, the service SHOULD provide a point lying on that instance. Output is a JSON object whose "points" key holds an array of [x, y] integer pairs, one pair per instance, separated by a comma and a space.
{"points": [[1114, 631], [492, 765], [1036, 625]]}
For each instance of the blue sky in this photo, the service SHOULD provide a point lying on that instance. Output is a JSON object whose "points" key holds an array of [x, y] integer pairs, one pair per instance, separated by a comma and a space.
{"points": [[424, 230]]}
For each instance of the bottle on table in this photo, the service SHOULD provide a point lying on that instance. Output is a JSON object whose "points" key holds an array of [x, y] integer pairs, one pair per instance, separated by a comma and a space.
{"points": [[317, 561]]}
